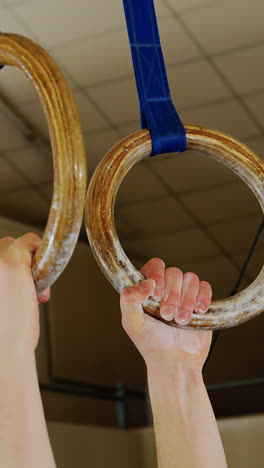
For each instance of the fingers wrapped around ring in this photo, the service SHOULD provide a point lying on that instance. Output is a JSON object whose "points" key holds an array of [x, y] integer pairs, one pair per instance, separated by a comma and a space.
{"points": [[172, 294], [204, 298], [155, 269], [190, 291]]}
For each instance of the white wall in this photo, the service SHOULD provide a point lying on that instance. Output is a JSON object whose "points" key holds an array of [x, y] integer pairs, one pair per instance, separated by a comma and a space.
{"points": [[78, 446]]}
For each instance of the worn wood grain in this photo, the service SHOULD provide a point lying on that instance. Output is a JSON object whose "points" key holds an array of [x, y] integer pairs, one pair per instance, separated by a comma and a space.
{"points": [[103, 237], [69, 159]]}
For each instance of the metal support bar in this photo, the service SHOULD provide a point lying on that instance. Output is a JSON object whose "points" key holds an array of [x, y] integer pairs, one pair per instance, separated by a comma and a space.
{"points": [[119, 393], [121, 407]]}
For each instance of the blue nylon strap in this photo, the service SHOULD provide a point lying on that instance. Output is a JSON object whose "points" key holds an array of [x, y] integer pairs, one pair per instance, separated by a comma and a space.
{"points": [[158, 113]]}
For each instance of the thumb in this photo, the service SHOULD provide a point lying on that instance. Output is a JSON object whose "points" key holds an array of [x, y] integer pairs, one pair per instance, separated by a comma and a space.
{"points": [[131, 300], [44, 296], [23, 248]]}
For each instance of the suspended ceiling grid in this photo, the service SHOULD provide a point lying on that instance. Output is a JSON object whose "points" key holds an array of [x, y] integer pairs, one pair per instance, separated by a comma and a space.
{"points": [[187, 209]]}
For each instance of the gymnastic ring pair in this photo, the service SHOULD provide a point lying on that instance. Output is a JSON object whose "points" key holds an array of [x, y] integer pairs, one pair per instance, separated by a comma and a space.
{"points": [[70, 181]]}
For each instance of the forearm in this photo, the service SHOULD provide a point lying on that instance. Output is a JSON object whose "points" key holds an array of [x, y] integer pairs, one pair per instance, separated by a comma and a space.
{"points": [[24, 440], [185, 427]]}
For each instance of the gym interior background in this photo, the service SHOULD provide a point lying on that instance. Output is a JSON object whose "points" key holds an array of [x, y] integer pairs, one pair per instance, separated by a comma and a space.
{"points": [[187, 209]]}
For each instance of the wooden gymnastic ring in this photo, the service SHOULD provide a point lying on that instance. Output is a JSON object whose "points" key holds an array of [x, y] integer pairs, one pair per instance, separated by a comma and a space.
{"points": [[102, 234], [69, 159]]}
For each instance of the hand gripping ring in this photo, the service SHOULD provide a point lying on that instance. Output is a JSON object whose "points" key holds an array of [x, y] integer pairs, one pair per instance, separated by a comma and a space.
{"points": [[104, 241], [69, 160]]}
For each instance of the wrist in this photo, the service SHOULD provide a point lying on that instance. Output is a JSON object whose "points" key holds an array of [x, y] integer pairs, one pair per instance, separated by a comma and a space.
{"points": [[180, 378], [180, 369]]}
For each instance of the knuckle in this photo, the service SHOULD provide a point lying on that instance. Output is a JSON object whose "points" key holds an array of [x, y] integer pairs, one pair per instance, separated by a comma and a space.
{"points": [[173, 298], [188, 304], [130, 293], [127, 292], [158, 278]]}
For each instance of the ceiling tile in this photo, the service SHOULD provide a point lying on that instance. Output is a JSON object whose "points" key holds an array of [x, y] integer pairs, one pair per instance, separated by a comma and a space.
{"points": [[97, 145], [257, 145], [179, 5], [25, 206], [97, 59], [70, 19], [35, 114], [227, 24], [256, 262], [219, 272], [46, 189], [30, 161], [120, 102], [108, 57], [117, 100], [236, 235], [129, 128], [173, 248], [177, 46], [229, 117], [243, 69], [195, 83], [124, 230], [90, 118], [15, 2], [190, 171], [10, 137], [256, 105], [140, 184], [222, 203], [161, 9], [12, 228], [9, 178], [16, 86], [10, 23], [152, 217]]}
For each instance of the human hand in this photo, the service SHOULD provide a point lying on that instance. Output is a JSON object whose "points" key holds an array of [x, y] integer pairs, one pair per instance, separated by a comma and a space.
{"points": [[180, 296], [19, 312]]}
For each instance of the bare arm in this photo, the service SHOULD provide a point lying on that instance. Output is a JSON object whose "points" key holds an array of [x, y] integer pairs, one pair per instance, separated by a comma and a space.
{"points": [[24, 441], [185, 427]]}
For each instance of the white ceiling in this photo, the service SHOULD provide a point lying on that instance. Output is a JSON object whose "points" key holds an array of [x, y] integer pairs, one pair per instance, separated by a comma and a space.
{"points": [[187, 209]]}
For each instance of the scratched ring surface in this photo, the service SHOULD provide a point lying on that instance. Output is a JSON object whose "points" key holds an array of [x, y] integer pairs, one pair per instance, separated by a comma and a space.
{"points": [[103, 237], [69, 159]]}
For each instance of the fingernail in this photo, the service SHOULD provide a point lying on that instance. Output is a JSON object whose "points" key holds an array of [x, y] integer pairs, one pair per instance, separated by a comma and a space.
{"points": [[200, 308], [183, 317], [167, 312]]}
